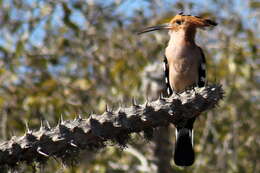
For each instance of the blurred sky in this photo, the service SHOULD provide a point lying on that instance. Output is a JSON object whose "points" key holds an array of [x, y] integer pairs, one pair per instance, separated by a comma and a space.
{"points": [[128, 8]]}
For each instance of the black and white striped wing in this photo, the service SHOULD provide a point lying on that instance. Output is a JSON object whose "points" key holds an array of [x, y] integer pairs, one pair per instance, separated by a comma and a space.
{"points": [[166, 76], [202, 70]]}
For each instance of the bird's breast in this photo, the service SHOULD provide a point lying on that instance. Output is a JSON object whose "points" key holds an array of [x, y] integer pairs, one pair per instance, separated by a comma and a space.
{"points": [[183, 67], [182, 59]]}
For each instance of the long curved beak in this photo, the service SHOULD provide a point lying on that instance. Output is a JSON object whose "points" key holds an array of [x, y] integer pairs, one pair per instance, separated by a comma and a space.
{"points": [[154, 28]]}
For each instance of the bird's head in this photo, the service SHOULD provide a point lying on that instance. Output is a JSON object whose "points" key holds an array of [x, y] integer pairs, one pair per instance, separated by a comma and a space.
{"points": [[181, 22]]}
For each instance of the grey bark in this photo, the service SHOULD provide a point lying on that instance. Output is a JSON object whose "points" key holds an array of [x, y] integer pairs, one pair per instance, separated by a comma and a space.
{"points": [[69, 137]]}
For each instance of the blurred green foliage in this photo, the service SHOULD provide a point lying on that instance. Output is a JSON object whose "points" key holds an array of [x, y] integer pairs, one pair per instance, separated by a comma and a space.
{"points": [[72, 57]]}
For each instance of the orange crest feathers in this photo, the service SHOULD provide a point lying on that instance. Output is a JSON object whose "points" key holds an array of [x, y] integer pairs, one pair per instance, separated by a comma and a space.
{"points": [[194, 20]]}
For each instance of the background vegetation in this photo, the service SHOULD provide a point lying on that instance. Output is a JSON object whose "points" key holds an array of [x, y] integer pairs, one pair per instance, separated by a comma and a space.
{"points": [[72, 57]]}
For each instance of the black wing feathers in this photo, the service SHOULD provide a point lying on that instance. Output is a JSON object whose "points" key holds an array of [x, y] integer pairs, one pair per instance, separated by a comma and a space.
{"points": [[202, 70], [166, 76]]}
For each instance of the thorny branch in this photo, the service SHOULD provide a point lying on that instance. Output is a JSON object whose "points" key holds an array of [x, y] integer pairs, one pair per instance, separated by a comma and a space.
{"points": [[69, 137]]}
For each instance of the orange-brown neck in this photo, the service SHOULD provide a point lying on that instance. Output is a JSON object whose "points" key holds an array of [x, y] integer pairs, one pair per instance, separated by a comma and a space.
{"points": [[182, 36], [190, 34]]}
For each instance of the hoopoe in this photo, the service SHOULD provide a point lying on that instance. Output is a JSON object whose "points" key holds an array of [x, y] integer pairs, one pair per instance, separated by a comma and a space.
{"points": [[185, 67]]}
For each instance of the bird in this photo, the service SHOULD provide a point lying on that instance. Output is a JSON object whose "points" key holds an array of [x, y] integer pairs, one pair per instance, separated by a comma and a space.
{"points": [[184, 68]]}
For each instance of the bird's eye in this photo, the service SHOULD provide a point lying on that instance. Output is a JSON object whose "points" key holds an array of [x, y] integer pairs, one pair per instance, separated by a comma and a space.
{"points": [[179, 22]]}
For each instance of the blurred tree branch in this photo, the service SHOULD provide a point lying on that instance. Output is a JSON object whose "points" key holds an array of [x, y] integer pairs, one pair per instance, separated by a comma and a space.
{"points": [[69, 137]]}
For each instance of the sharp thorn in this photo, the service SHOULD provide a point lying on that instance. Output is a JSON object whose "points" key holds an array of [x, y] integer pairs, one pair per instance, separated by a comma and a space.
{"points": [[61, 118], [161, 96], [112, 109], [48, 124], [27, 127], [146, 101], [42, 153], [107, 109], [121, 104], [79, 117], [42, 127], [74, 145], [133, 102], [175, 93], [61, 121], [56, 159], [193, 89], [12, 132], [90, 117], [120, 109]]}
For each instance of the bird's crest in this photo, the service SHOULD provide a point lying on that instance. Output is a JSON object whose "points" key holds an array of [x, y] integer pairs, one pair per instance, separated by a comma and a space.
{"points": [[194, 20]]}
